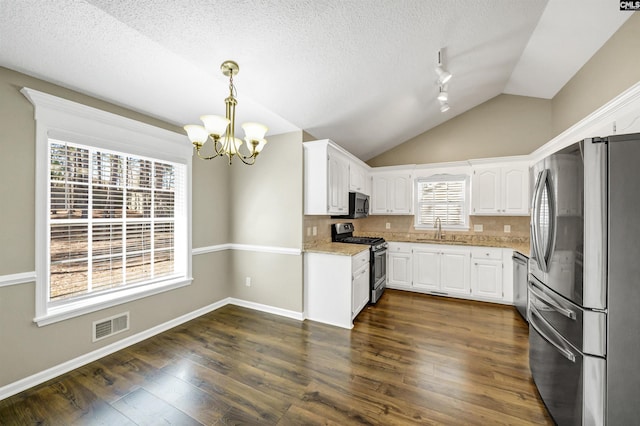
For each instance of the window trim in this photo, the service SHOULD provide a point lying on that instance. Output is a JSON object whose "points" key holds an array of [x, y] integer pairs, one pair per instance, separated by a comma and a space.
{"points": [[62, 119], [440, 178]]}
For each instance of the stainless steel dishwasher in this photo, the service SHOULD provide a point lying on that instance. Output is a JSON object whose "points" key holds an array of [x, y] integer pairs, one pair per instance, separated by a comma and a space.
{"points": [[520, 271]]}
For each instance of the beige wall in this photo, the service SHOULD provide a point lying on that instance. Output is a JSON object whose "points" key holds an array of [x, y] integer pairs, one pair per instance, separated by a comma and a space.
{"points": [[267, 211], [25, 348], [513, 125], [502, 126], [612, 70]]}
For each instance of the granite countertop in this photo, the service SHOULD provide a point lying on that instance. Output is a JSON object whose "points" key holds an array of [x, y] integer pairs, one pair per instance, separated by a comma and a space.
{"points": [[341, 249], [520, 244]]}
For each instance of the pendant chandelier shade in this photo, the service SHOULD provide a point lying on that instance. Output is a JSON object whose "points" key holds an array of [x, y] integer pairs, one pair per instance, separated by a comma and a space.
{"points": [[221, 130]]}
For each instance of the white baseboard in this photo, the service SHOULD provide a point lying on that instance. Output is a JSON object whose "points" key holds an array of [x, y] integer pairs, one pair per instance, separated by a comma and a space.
{"points": [[55, 371], [268, 309]]}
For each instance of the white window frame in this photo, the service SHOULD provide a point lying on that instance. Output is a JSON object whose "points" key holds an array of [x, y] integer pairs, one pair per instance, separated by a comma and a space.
{"points": [[61, 119], [441, 178]]}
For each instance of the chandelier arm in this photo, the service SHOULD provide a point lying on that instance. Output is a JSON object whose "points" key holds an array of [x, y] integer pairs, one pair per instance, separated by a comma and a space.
{"points": [[211, 157], [243, 159]]}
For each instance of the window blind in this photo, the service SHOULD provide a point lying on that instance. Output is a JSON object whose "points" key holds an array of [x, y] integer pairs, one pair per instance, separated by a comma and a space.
{"points": [[444, 198], [112, 219]]}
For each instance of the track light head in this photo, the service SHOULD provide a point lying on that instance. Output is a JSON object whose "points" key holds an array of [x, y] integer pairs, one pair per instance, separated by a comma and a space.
{"points": [[443, 75], [443, 96]]}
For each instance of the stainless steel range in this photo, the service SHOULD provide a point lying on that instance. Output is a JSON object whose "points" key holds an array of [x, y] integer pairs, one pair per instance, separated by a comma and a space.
{"points": [[343, 233]]}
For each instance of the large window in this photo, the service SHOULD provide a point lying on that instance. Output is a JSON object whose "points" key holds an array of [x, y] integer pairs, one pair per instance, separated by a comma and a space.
{"points": [[112, 209], [445, 197], [111, 220]]}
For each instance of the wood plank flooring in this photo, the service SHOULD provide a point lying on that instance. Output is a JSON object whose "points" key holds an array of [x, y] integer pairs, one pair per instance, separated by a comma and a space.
{"points": [[411, 359]]}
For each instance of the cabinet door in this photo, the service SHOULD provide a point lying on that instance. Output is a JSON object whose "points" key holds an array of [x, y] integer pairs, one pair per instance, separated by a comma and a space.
{"points": [[486, 278], [358, 178], [338, 186], [360, 289], [515, 190], [400, 197], [399, 270], [426, 269], [486, 191], [379, 203], [454, 272]]}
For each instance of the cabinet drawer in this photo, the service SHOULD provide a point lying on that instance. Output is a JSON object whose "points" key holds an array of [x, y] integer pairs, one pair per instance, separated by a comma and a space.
{"points": [[487, 253], [399, 248], [359, 260]]}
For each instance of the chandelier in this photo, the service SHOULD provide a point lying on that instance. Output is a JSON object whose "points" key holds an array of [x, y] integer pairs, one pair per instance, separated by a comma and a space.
{"points": [[221, 130]]}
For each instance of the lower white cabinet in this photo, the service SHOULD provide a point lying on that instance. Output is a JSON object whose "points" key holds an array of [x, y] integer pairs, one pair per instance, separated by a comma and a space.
{"points": [[336, 287], [399, 266], [457, 271], [360, 290], [487, 273], [440, 269]]}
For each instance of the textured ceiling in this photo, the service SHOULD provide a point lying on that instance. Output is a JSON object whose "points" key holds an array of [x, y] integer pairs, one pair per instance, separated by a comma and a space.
{"points": [[360, 72]]}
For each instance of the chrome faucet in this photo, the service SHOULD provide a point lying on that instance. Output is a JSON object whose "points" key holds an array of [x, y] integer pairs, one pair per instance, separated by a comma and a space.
{"points": [[438, 225]]}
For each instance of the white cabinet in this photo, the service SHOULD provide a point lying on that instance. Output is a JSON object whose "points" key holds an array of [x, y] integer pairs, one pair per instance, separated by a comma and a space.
{"points": [[392, 193], [466, 272], [399, 266], [359, 285], [500, 190], [336, 287], [326, 179], [426, 268], [441, 269], [487, 273], [359, 178], [338, 175]]}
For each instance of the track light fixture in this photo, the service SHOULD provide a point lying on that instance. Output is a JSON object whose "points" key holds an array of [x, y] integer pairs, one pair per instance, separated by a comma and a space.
{"points": [[444, 77], [443, 96]]}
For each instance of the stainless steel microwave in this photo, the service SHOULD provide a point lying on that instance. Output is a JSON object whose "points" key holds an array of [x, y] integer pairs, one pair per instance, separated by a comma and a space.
{"points": [[358, 206]]}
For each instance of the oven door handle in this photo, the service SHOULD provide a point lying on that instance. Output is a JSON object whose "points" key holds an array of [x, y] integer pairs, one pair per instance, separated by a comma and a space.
{"points": [[564, 352]]}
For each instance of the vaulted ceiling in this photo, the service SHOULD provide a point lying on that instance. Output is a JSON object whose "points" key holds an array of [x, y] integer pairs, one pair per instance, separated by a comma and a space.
{"points": [[359, 72]]}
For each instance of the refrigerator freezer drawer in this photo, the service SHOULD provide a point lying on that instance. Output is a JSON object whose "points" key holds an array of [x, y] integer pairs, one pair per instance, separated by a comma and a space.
{"points": [[584, 329], [570, 383]]}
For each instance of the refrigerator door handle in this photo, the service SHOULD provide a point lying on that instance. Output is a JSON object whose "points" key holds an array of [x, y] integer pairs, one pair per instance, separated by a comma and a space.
{"points": [[533, 312], [535, 222], [550, 303]]}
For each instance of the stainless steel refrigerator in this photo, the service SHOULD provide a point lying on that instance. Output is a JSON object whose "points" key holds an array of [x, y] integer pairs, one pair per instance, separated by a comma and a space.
{"points": [[584, 282]]}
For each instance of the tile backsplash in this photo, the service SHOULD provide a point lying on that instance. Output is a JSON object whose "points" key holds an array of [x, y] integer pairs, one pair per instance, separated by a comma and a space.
{"points": [[492, 226]]}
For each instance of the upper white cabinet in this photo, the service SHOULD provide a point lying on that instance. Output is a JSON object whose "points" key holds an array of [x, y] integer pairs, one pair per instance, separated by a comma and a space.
{"points": [[500, 189], [359, 178], [326, 179], [338, 190], [391, 193]]}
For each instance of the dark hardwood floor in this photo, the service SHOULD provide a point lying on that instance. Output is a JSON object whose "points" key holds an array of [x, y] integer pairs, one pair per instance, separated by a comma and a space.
{"points": [[411, 359]]}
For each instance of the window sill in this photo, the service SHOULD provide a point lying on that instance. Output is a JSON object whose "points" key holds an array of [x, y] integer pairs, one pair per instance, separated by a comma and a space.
{"points": [[82, 307]]}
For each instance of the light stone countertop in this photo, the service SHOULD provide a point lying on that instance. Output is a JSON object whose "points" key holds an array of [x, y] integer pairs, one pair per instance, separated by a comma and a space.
{"points": [[341, 249], [518, 244]]}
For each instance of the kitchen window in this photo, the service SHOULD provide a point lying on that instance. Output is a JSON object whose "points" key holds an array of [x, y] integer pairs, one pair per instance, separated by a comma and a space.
{"points": [[445, 197], [112, 209]]}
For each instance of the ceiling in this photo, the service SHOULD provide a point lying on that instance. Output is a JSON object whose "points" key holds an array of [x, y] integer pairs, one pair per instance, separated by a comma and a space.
{"points": [[359, 72]]}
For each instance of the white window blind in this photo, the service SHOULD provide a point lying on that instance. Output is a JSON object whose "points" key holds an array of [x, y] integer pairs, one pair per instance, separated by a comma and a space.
{"points": [[111, 219], [444, 197]]}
